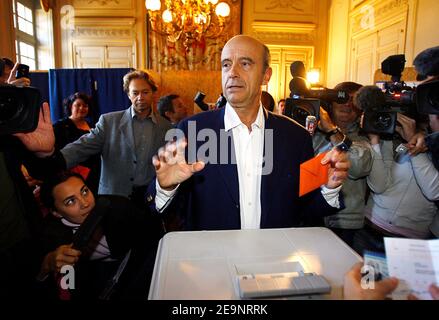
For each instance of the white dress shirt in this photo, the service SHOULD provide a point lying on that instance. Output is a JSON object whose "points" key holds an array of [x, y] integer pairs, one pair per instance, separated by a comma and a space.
{"points": [[249, 148]]}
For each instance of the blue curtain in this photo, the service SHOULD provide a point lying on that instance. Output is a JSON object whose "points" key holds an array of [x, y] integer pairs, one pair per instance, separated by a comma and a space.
{"points": [[109, 95], [40, 80], [103, 85]]}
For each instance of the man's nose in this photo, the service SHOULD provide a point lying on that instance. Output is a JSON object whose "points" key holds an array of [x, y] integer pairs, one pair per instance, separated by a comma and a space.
{"points": [[234, 72]]}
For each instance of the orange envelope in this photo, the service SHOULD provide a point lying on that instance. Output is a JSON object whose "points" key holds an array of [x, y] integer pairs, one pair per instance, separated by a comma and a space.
{"points": [[312, 174]]}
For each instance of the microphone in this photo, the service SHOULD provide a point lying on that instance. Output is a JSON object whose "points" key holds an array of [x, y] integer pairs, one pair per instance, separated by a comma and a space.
{"points": [[369, 97], [427, 62]]}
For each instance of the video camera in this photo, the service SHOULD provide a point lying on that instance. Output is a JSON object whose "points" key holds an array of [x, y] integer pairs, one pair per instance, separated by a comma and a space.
{"points": [[19, 109], [305, 102], [380, 112]]}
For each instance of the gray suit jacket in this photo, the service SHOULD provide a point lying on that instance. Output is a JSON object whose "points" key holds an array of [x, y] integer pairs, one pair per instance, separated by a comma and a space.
{"points": [[113, 139]]}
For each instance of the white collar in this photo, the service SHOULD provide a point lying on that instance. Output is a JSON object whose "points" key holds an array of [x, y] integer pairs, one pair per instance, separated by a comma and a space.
{"points": [[231, 118], [69, 224]]}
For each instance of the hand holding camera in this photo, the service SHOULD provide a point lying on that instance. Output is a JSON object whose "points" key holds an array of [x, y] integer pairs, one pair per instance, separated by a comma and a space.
{"points": [[406, 127], [19, 75]]}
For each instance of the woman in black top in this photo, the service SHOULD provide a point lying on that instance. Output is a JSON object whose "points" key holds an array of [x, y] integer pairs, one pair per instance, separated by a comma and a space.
{"points": [[77, 108]]}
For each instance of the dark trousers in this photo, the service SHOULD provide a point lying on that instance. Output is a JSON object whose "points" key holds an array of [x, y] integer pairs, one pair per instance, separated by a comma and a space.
{"points": [[18, 269], [369, 239], [347, 235]]}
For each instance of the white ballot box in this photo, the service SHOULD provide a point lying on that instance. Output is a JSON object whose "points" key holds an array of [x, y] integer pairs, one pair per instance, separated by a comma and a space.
{"points": [[206, 265]]}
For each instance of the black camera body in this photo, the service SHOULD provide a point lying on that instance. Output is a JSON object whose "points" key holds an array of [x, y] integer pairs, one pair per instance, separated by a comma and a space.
{"points": [[299, 108], [304, 102], [19, 109], [381, 118], [22, 71], [381, 121], [199, 100], [427, 97]]}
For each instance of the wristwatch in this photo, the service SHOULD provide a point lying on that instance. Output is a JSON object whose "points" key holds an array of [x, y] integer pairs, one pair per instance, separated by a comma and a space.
{"points": [[344, 145], [329, 134]]}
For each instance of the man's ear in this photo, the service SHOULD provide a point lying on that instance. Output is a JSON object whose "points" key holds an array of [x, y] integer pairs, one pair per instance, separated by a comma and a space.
{"points": [[267, 76], [56, 214]]}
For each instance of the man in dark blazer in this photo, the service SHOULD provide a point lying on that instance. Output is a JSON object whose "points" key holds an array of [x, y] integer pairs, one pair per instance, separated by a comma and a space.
{"points": [[245, 175]]}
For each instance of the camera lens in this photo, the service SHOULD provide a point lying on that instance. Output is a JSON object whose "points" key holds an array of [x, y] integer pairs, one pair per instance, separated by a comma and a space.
{"points": [[10, 108], [301, 112], [382, 121]]}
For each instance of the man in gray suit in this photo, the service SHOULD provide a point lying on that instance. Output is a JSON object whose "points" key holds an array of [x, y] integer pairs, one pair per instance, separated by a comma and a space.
{"points": [[126, 141]]}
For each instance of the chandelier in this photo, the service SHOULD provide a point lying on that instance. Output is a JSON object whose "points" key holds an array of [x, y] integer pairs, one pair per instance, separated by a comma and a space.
{"points": [[190, 20]]}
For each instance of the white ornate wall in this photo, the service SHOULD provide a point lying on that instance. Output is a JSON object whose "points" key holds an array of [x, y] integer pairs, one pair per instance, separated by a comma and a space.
{"points": [[365, 32], [102, 33]]}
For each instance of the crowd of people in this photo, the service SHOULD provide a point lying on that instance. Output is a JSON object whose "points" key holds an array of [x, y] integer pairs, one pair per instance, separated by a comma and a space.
{"points": [[128, 165]]}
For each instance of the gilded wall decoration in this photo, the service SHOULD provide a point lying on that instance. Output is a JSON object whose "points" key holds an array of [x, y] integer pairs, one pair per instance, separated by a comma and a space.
{"points": [[103, 4], [285, 4], [298, 7]]}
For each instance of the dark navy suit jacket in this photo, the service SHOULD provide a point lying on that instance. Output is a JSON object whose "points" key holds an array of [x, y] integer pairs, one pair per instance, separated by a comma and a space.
{"points": [[209, 200]]}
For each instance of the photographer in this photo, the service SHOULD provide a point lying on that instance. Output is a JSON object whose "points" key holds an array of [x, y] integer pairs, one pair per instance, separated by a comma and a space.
{"points": [[343, 119], [19, 215], [401, 201], [9, 74], [427, 65]]}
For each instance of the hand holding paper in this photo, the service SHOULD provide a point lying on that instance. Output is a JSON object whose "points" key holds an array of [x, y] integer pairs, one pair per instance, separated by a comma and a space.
{"points": [[339, 165], [329, 169]]}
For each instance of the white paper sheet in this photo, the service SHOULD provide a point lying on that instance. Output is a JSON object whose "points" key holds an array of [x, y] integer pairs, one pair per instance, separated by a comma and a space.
{"points": [[415, 263]]}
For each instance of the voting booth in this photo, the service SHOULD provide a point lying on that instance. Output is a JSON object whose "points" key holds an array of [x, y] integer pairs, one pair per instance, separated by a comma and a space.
{"points": [[206, 265]]}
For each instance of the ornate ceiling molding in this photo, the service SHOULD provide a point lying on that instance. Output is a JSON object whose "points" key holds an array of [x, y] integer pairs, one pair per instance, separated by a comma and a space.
{"points": [[84, 32], [284, 31], [104, 27]]}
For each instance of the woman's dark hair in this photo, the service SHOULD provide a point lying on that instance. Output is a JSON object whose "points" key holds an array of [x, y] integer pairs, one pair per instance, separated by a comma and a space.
{"points": [[46, 192], [67, 103], [8, 62]]}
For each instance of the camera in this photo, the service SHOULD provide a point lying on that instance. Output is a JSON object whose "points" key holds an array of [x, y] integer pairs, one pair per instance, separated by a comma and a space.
{"points": [[382, 104], [22, 71], [19, 109], [380, 112], [305, 102], [199, 100], [427, 97]]}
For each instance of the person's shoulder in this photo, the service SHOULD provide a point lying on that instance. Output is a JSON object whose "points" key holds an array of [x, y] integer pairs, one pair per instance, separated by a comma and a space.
{"points": [[113, 117], [285, 123], [204, 118], [114, 114], [62, 122], [162, 122], [114, 199]]}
